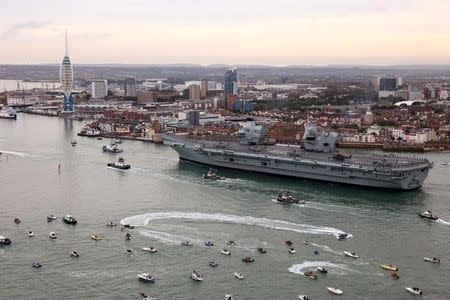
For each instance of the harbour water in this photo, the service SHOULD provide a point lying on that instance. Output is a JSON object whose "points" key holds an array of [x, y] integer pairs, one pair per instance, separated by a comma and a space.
{"points": [[11, 85], [168, 202]]}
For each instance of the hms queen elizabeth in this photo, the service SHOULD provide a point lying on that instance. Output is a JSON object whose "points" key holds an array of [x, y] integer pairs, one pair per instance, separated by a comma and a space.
{"points": [[316, 160]]}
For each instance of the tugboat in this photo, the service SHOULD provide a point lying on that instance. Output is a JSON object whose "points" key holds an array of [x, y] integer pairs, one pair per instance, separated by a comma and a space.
{"points": [[287, 197], [112, 148], [428, 215], [212, 175], [145, 277], [120, 164], [4, 240], [69, 219]]}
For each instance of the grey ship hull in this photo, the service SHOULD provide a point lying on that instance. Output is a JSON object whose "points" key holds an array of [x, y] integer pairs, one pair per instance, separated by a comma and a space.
{"points": [[315, 168]]}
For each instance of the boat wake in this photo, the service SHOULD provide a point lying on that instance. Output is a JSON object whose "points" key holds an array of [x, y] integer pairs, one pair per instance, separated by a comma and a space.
{"points": [[325, 248], [167, 238], [440, 221], [143, 220], [339, 269], [14, 153]]}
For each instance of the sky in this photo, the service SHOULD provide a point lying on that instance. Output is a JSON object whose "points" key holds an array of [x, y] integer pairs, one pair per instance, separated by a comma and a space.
{"points": [[270, 32]]}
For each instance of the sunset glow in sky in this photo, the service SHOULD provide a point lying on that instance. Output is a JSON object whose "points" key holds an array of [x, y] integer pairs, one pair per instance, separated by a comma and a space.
{"points": [[281, 32]]}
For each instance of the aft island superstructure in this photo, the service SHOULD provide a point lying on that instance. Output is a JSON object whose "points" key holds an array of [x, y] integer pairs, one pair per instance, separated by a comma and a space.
{"points": [[317, 159]]}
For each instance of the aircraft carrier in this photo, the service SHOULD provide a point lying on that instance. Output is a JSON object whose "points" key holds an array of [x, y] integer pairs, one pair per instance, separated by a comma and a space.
{"points": [[316, 160]]}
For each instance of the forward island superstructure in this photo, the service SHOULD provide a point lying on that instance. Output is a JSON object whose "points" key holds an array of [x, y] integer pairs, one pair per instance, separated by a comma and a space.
{"points": [[317, 159]]}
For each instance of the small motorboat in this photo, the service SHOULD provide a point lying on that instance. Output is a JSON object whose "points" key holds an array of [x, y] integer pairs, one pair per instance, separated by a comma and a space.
{"points": [[150, 249], [30, 233], [262, 251], [316, 252], [389, 267], [209, 243], [212, 175], [342, 236], [145, 297], [51, 218], [36, 265], [303, 297], [53, 236], [69, 219], [286, 196], [322, 270], [128, 226], [95, 237], [213, 264], [306, 243], [99, 138], [288, 243], [186, 243], [248, 259], [395, 275], [127, 236], [129, 251], [414, 290], [239, 275], [231, 243], [74, 143], [112, 148], [291, 250], [229, 297], [120, 164], [311, 274], [433, 260], [428, 215], [17, 220], [445, 163], [111, 224], [196, 276], [4, 240], [145, 277], [351, 254], [225, 252], [74, 254], [335, 291]]}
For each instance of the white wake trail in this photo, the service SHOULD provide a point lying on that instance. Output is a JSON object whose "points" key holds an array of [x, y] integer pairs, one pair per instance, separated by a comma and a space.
{"points": [[143, 220], [310, 265]]}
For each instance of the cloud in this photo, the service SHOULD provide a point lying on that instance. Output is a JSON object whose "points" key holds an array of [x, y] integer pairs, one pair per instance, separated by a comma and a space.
{"points": [[20, 27]]}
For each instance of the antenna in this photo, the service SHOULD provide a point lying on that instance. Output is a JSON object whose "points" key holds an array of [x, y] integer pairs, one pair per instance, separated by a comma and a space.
{"points": [[67, 46]]}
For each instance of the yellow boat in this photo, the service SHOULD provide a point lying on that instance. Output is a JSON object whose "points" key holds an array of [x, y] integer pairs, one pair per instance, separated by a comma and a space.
{"points": [[389, 267], [95, 237]]}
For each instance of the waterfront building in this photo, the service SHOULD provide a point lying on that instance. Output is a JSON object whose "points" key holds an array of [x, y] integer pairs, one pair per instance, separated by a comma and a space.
{"points": [[66, 77], [99, 88], [130, 87], [230, 86], [194, 92]]}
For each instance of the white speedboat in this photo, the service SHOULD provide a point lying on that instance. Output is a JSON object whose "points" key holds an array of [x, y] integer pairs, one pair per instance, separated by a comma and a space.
{"points": [[225, 252], [8, 113], [145, 277], [433, 260], [322, 270], [30, 233], [74, 254], [4, 240], [69, 219], [53, 236], [239, 275], [335, 291], [351, 254], [186, 243], [111, 224], [120, 164], [36, 265], [414, 290], [446, 163], [196, 276], [303, 297], [231, 243], [112, 148], [229, 297], [291, 250], [129, 252], [150, 249]]}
